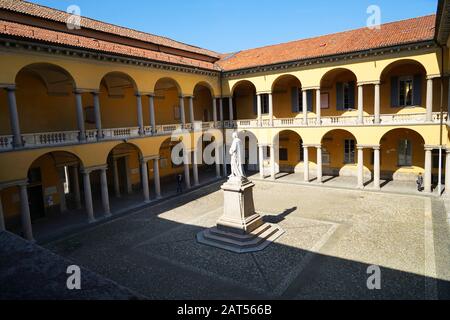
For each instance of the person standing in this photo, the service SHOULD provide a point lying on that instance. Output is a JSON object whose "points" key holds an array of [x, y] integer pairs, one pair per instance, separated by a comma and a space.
{"points": [[419, 182]]}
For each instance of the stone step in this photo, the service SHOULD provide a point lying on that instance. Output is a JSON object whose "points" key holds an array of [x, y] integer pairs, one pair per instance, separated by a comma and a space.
{"points": [[241, 237], [242, 244]]}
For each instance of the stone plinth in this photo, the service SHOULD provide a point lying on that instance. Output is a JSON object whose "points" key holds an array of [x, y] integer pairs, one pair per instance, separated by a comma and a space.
{"points": [[240, 229]]}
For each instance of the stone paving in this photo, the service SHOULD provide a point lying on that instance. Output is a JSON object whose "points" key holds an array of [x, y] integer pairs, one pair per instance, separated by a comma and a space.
{"points": [[332, 237]]}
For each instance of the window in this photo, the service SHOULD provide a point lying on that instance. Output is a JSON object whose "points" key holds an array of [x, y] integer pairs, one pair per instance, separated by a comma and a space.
{"points": [[349, 151], [283, 154], [404, 153], [264, 103], [346, 87], [405, 91]]}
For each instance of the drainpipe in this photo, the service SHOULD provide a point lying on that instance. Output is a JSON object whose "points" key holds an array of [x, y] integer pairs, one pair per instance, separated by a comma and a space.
{"points": [[223, 127], [441, 128]]}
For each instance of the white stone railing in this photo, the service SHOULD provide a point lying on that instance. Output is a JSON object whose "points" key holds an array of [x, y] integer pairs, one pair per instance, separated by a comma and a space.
{"points": [[50, 138], [6, 143], [417, 118], [120, 133], [72, 137]]}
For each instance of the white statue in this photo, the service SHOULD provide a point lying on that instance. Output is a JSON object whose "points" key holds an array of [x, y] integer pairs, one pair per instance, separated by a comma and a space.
{"points": [[237, 169]]}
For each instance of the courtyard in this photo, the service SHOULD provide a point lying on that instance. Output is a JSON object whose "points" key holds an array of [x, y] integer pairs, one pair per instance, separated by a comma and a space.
{"points": [[332, 237]]}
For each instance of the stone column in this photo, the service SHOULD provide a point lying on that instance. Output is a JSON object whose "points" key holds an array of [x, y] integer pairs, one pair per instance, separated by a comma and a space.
{"points": [[128, 175], [360, 104], [214, 106], [258, 106], [306, 163], [224, 155], [140, 116], [261, 161], [60, 187], [360, 167], [221, 109], [217, 159], [429, 100], [76, 186], [272, 162], [318, 108], [116, 179], [105, 195], [182, 113], [428, 168], [195, 168], [319, 164], [144, 178], [230, 107], [151, 106], [156, 178], [376, 168], [377, 103], [88, 196], [2, 217], [25, 213], [14, 117], [98, 117], [191, 111], [447, 173], [271, 109], [187, 174], [305, 107], [80, 116]]}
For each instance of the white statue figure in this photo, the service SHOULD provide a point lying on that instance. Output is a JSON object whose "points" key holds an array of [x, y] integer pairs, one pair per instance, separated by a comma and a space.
{"points": [[237, 169]]}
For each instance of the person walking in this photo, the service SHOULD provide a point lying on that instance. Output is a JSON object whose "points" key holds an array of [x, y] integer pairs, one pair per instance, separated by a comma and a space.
{"points": [[179, 183]]}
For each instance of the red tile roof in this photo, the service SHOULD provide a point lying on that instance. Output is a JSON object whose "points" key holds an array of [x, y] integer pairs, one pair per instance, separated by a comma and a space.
{"points": [[35, 10], [71, 40], [390, 34]]}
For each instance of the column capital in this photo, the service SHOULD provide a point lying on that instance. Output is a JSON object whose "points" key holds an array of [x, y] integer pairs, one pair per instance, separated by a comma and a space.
{"points": [[433, 76], [369, 82], [258, 93], [368, 146], [88, 170], [311, 88], [13, 183], [431, 147], [311, 145], [9, 87]]}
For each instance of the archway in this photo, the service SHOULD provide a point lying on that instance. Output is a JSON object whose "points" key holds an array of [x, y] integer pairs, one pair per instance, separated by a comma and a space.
{"points": [[203, 103], [244, 97], [124, 174], [167, 101], [403, 88], [339, 92], [290, 152], [118, 102], [52, 189], [402, 155], [287, 97], [45, 100], [339, 155]]}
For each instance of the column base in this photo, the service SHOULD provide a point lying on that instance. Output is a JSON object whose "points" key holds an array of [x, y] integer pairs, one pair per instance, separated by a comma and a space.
{"points": [[90, 221]]}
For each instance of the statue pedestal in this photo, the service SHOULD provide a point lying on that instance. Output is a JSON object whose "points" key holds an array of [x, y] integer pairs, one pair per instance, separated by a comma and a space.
{"points": [[240, 229]]}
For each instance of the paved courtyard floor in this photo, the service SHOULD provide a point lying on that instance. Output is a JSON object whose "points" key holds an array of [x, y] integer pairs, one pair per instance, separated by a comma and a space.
{"points": [[332, 237]]}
